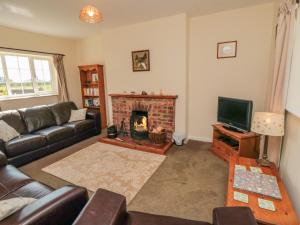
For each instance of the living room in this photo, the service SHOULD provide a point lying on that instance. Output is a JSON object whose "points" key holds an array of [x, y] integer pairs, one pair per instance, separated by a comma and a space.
{"points": [[196, 52]]}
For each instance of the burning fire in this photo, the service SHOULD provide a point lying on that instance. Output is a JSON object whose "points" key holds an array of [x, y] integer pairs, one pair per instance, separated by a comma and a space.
{"points": [[140, 124]]}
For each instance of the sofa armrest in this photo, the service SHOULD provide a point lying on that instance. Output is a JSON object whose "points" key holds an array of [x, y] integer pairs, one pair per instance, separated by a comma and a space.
{"points": [[233, 215], [2, 146], [95, 115], [104, 208], [3, 159], [60, 207]]}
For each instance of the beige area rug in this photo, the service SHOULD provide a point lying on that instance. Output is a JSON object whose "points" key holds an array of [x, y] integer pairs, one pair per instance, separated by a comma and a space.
{"points": [[110, 167]]}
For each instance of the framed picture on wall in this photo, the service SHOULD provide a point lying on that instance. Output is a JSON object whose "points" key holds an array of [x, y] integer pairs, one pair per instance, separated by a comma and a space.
{"points": [[227, 49], [141, 61]]}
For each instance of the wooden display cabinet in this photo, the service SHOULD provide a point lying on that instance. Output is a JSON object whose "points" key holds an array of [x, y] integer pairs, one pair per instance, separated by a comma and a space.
{"points": [[93, 89], [228, 143]]}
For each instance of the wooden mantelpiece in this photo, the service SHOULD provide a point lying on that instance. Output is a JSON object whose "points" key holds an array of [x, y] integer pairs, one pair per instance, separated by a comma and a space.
{"points": [[145, 96]]}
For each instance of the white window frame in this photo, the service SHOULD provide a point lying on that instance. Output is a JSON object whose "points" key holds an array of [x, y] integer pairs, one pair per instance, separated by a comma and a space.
{"points": [[36, 93]]}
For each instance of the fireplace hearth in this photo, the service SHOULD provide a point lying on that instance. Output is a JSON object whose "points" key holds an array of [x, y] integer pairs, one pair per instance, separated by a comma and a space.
{"points": [[139, 125], [139, 115]]}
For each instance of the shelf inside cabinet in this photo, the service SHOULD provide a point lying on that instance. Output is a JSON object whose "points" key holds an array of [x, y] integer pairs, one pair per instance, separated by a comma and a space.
{"points": [[91, 96], [92, 107]]}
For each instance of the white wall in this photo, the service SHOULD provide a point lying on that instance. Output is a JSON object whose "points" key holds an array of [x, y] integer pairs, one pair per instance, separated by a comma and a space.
{"points": [[243, 77], [166, 40], [91, 50], [26, 40], [181, 46], [289, 167]]}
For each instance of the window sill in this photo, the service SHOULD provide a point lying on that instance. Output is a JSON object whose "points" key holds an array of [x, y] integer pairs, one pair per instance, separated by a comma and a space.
{"points": [[10, 98]]}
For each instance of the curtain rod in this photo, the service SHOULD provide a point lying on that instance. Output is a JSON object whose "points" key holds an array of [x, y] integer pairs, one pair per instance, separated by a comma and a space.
{"points": [[32, 51]]}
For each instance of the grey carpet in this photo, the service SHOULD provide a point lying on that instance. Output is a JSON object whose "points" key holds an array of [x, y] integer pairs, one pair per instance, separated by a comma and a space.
{"points": [[189, 184]]}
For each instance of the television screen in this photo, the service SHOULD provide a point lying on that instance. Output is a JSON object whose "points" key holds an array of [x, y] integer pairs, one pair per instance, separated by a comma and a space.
{"points": [[235, 113]]}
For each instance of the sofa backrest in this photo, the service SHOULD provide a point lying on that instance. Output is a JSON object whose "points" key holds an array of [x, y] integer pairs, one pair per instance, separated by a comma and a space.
{"points": [[13, 119], [37, 118], [62, 111]]}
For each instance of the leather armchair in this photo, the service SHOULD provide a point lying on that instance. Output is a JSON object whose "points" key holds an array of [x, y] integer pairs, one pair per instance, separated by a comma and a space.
{"points": [[108, 208], [52, 207], [3, 159], [60, 207], [104, 208], [233, 215]]}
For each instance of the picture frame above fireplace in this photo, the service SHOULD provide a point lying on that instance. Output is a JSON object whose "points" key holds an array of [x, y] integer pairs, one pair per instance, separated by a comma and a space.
{"points": [[141, 61]]}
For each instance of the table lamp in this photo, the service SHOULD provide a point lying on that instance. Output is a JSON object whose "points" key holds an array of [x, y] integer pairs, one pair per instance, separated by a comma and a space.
{"points": [[267, 124]]}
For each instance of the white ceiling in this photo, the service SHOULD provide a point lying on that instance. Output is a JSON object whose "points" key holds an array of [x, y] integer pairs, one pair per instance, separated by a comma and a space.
{"points": [[60, 17]]}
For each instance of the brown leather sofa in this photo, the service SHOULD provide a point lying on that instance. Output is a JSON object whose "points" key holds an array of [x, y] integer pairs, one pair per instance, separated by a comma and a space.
{"points": [[107, 208], [52, 207], [44, 130]]}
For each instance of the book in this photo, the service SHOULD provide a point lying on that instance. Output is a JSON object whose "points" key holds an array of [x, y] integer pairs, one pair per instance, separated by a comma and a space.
{"points": [[91, 91], [266, 204], [256, 182], [88, 102], [94, 77], [241, 197], [96, 102]]}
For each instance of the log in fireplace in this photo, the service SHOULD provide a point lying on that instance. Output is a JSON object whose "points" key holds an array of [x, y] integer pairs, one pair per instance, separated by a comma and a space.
{"points": [[139, 125]]}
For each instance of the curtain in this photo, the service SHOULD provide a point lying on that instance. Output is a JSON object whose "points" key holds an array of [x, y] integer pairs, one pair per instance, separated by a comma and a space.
{"points": [[283, 58], [63, 94]]}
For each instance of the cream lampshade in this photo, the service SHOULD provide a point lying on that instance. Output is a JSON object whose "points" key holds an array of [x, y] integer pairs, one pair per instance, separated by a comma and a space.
{"points": [[268, 124]]}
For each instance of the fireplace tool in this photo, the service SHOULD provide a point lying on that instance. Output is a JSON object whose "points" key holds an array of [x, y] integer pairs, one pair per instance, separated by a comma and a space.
{"points": [[123, 131]]}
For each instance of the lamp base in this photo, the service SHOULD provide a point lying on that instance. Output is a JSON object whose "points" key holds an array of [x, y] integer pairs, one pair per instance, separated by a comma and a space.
{"points": [[264, 162]]}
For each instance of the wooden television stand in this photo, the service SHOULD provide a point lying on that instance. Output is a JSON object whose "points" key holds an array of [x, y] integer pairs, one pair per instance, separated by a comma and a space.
{"points": [[228, 143]]}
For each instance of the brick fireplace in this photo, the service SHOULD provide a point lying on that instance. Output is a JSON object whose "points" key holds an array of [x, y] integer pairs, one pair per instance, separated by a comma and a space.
{"points": [[155, 110]]}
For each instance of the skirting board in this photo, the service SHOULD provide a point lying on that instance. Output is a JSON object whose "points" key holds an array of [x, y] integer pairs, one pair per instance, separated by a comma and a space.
{"points": [[204, 139]]}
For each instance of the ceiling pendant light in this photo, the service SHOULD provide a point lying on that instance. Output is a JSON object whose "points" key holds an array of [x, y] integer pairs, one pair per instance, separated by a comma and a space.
{"points": [[90, 14]]}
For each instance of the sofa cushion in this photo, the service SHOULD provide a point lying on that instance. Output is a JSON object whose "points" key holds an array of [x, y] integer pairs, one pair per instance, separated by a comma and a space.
{"points": [[62, 111], [24, 143], [12, 205], [37, 118], [78, 115], [7, 132], [11, 179], [33, 189], [81, 126], [14, 119], [56, 133]]}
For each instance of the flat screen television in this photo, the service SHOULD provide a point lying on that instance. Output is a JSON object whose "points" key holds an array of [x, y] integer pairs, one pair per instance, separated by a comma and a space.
{"points": [[235, 113]]}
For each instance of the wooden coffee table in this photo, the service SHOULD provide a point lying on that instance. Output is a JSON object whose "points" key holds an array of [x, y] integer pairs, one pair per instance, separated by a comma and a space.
{"points": [[284, 214]]}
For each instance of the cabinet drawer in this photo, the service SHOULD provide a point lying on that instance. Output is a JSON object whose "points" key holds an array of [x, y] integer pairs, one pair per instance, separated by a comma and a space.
{"points": [[223, 149]]}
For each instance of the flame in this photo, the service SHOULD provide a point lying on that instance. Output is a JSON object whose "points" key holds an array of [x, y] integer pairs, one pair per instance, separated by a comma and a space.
{"points": [[141, 125]]}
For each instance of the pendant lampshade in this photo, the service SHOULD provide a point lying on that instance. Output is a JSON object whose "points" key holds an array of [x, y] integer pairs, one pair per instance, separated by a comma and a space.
{"points": [[90, 14]]}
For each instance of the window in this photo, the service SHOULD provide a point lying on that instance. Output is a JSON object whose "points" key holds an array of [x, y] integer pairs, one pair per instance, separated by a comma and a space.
{"points": [[26, 75], [3, 89]]}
